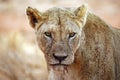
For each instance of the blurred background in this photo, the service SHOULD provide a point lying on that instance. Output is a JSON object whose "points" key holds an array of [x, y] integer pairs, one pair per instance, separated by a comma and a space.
{"points": [[20, 58]]}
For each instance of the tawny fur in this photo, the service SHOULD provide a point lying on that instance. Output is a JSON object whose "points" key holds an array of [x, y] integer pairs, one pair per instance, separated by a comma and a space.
{"points": [[94, 54]]}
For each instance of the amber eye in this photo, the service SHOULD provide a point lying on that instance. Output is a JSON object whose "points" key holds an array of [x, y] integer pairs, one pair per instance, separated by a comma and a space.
{"points": [[72, 34], [48, 34]]}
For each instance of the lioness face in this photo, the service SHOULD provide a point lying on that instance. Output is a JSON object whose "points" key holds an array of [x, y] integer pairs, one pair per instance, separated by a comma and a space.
{"points": [[58, 33], [59, 40]]}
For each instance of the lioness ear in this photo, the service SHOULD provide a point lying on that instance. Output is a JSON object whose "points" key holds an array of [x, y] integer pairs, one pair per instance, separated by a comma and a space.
{"points": [[81, 13], [34, 16]]}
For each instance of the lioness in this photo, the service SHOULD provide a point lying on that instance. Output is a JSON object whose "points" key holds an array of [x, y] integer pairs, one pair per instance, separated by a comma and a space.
{"points": [[77, 44]]}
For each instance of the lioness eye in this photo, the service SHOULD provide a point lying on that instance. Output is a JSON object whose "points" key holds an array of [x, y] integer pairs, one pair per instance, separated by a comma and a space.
{"points": [[48, 34], [72, 34]]}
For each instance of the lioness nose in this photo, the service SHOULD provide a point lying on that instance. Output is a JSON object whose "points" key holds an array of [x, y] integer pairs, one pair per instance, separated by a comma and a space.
{"points": [[60, 57]]}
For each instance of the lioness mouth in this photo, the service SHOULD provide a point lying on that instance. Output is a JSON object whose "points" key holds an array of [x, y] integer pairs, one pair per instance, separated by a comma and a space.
{"points": [[59, 64]]}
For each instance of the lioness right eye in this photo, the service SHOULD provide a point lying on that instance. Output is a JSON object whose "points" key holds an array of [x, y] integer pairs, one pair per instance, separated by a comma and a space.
{"points": [[48, 34]]}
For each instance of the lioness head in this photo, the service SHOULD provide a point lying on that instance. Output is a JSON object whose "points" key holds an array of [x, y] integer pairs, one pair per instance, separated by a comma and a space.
{"points": [[58, 32]]}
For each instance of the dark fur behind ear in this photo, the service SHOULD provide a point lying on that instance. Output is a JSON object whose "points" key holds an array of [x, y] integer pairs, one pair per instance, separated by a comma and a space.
{"points": [[34, 16], [81, 13]]}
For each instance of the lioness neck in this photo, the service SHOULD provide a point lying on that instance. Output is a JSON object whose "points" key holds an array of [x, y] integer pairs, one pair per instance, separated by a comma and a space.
{"points": [[63, 73]]}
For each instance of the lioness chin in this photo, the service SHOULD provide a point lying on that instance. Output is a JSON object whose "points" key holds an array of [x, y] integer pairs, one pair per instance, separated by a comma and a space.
{"points": [[77, 44]]}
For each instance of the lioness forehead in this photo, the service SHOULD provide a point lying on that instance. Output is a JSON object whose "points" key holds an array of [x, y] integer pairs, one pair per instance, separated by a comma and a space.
{"points": [[59, 18], [58, 15], [60, 11]]}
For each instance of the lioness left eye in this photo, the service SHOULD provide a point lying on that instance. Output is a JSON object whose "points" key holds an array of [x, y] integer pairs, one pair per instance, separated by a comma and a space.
{"points": [[72, 34]]}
